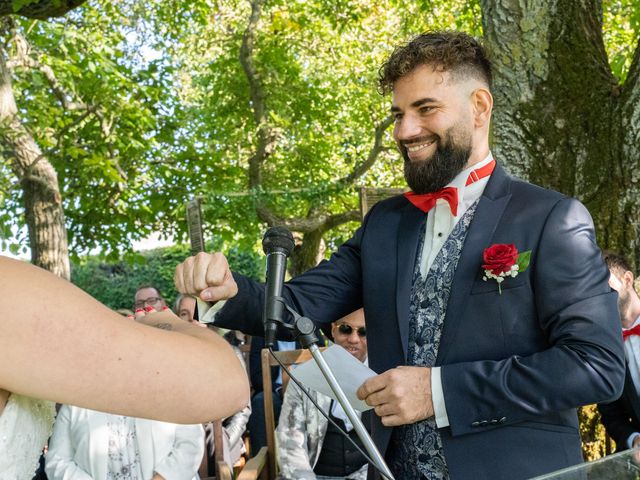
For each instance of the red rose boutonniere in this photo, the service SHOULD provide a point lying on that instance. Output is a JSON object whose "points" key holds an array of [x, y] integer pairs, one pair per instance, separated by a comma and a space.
{"points": [[502, 260]]}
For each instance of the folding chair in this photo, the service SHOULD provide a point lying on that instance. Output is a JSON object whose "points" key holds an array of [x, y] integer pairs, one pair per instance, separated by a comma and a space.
{"points": [[223, 472], [288, 358], [256, 467]]}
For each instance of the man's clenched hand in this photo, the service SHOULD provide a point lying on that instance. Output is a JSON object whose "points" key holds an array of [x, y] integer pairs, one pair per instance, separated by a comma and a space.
{"points": [[207, 275]]}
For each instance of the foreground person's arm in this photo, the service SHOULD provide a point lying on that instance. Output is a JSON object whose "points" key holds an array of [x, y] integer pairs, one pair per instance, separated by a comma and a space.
{"points": [[58, 343]]}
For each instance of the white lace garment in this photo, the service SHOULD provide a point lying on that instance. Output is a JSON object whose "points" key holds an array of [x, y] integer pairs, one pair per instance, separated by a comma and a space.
{"points": [[25, 426], [124, 453]]}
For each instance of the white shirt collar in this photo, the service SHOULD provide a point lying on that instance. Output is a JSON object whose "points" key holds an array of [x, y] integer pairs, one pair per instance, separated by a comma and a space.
{"points": [[469, 194], [460, 180]]}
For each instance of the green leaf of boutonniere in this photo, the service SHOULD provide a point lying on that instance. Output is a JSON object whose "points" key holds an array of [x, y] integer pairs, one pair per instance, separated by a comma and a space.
{"points": [[523, 261]]}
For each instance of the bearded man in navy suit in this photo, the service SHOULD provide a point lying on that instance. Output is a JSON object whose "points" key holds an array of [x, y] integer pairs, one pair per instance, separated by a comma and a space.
{"points": [[483, 355]]}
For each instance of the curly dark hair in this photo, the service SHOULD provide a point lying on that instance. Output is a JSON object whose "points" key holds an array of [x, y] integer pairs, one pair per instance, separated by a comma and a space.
{"points": [[460, 54], [615, 261]]}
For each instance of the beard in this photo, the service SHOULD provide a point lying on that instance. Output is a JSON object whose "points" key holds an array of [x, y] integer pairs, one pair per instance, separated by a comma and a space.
{"points": [[624, 300], [434, 173]]}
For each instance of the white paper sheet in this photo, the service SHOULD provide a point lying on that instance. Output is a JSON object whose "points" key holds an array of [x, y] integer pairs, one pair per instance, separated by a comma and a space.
{"points": [[207, 311], [348, 370]]}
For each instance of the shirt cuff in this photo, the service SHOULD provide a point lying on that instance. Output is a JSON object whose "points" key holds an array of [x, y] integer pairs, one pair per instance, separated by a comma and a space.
{"points": [[437, 395], [631, 438]]}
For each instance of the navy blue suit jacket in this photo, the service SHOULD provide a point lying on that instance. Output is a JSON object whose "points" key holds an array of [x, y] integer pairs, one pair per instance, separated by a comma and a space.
{"points": [[622, 417], [514, 365]]}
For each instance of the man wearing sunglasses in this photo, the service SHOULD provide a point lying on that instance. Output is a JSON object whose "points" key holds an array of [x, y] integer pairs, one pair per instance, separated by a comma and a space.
{"points": [[309, 446]]}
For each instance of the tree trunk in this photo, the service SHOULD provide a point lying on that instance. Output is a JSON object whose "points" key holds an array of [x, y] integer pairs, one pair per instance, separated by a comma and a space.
{"points": [[41, 195], [306, 254], [561, 120]]}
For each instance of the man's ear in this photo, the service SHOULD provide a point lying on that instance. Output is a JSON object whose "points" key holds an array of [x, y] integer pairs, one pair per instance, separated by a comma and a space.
{"points": [[482, 102], [628, 278]]}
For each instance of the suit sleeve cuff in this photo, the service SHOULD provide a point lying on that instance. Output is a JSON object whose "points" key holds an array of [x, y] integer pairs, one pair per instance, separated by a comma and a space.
{"points": [[437, 395], [631, 438]]}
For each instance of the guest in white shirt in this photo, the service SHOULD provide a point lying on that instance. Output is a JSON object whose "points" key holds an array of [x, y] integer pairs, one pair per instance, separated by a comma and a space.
{"points": [[90, 445], [87, 444]]}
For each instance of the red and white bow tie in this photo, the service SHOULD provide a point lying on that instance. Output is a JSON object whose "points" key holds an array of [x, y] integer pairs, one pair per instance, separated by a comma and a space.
{"points": [[631, 331], [427, 201]]}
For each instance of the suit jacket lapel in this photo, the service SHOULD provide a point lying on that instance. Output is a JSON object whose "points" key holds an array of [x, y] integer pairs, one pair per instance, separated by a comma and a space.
{"points": [[490, 208], [411, 222]]}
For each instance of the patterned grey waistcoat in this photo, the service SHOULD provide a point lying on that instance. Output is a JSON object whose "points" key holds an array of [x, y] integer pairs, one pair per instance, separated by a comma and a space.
{"points": [[416, 449]]}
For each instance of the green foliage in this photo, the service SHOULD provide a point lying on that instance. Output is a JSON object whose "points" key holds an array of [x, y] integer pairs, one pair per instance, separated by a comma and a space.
{"points": [[523, 260], [317, 62], [595, 442], [115, 283], [103, 143], [621, 22], [171, 117], [174, 118]]}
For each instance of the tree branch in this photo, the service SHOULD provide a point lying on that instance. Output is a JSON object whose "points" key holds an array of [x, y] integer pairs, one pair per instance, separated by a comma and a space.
{"points": [[321, 222], [23, 58], [340, 218], [375, 151], [265, 136], [246, 60], [67, 128], [40, 9]]}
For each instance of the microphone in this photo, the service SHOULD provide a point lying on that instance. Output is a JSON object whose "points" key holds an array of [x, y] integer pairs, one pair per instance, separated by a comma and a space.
{"points": [[277, 244]]}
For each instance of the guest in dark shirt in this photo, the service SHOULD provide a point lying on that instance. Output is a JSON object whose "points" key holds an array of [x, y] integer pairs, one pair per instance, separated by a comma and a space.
{"points": [[309, 446]]}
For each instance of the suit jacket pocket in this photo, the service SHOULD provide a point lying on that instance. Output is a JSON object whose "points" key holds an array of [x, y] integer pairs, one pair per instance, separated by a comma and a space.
{"points": [[491, 286], [550, 427]]}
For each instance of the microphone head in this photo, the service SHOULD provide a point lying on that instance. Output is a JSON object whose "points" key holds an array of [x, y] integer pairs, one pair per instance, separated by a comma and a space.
{"points": [[278, 239]]}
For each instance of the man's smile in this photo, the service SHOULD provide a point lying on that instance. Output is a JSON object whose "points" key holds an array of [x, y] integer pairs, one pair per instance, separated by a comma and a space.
{"points": [[420, 146], [417, 149]]}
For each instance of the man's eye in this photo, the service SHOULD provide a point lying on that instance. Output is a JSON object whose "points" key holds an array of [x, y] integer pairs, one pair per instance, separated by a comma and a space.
{"points": [[397, 116], [425, 109]]}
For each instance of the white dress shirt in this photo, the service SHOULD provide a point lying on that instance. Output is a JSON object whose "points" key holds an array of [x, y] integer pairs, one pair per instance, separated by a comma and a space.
{"points": [[79, 448], [440, 223]]}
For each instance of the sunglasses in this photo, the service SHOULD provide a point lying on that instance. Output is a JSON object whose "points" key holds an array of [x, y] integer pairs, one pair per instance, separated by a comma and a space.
{"points": [[346, 329]]}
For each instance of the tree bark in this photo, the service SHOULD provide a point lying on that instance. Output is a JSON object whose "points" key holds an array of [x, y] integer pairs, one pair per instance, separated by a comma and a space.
{"points": [[561, 119], [41, 195]]}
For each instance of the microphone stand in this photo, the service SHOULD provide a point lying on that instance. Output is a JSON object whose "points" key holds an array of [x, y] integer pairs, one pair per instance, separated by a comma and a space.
{"points": [[304, 330]]}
